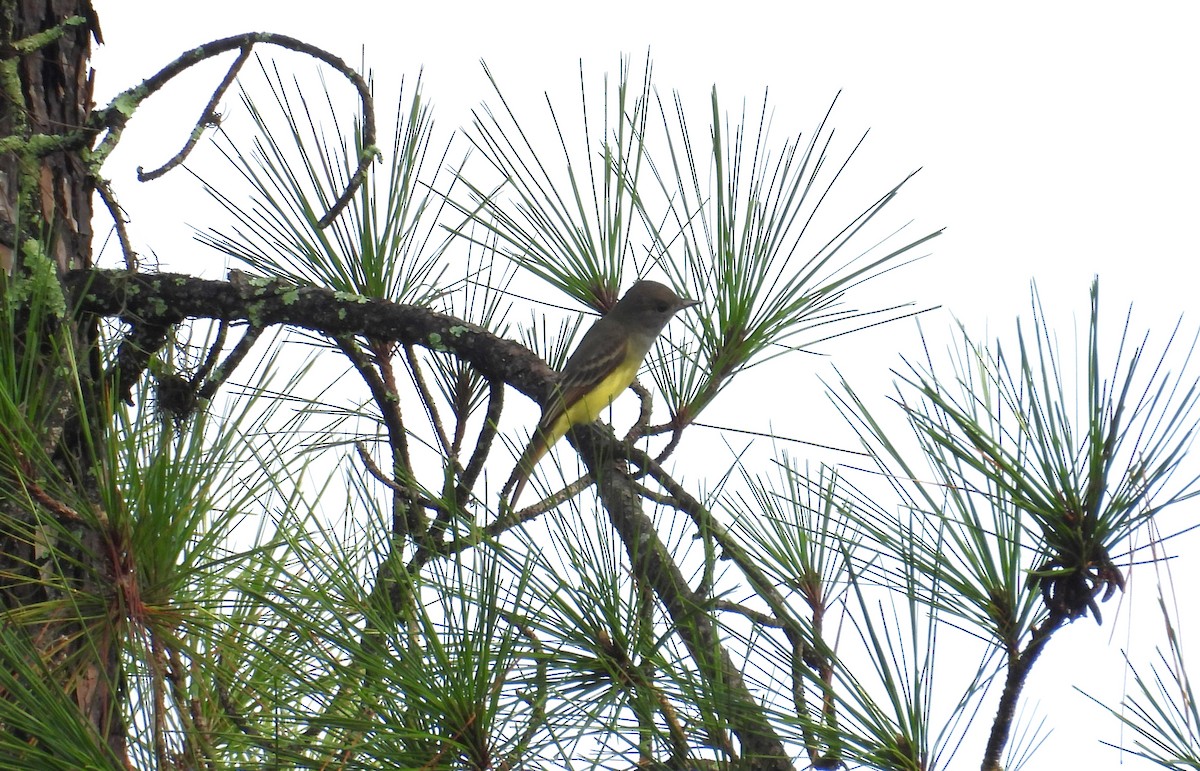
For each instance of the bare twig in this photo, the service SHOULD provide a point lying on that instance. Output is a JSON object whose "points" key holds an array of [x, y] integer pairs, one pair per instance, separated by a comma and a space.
{"points": [[676, 428], [483, 445], [435, 420], [214, 351], [39, 494], [116, 115], [757, 616], [638, 429], [374, 470], [226, 368], [407, 519], [662, 499], [208, 118], [109, 198]]}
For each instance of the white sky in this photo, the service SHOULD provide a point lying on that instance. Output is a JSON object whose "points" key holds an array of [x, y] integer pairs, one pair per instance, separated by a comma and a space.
{"points": [[1056, 141]]}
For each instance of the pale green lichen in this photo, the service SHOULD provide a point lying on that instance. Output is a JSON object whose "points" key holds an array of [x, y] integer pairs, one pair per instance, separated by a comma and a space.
{"points": [[40, 145], [350, 297], [35, 146], [254, 313], [435, 342], [40, 282], [458, 330], [127, 102], [10, 82], [44, 38]]}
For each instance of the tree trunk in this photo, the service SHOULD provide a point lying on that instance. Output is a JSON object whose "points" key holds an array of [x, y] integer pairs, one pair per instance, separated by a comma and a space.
{"points": [[45, 231], [56, 89]]}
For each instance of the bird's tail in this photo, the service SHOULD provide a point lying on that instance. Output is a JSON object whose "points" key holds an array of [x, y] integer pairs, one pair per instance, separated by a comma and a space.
{"points": [[520, 475]]}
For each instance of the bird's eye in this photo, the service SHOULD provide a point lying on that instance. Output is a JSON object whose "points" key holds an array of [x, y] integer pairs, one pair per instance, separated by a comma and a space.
{"points": [[662, 306]]}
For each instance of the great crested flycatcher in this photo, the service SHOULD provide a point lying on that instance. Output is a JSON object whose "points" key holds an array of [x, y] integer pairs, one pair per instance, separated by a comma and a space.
{"points": [[602, 366]]}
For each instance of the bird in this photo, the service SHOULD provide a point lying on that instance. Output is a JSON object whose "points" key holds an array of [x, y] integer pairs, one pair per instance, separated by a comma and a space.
{"points": [[602, 366]]}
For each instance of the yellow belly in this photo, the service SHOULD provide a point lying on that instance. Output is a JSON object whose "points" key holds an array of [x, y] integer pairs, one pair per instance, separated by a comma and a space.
{"points": [[588, 408]]}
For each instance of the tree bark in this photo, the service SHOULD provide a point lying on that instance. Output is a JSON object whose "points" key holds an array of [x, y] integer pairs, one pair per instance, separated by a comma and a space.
{"points": [[45, 231], [56, 98]]}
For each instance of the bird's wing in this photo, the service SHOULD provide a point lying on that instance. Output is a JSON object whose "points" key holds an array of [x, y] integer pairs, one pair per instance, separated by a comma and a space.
{"points": [[598, 354]]}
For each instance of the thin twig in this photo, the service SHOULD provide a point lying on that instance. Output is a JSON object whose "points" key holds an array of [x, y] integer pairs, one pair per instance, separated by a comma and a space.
{"points": [[757, 616], [374, 470], [676, 435], [646, 400], [214, 351], [662, 499], [435, 420], [413, 495], [510, 518], [109, 198], [226, 368], [483, 444], [207, 119], [45, 499]]}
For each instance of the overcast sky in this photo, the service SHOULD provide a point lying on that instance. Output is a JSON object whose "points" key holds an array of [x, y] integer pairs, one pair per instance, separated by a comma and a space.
{"points": [[1056, 141]]}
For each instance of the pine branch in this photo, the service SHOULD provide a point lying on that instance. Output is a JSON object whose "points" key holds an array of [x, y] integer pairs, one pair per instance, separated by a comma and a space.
{"points": [[146, 298]]}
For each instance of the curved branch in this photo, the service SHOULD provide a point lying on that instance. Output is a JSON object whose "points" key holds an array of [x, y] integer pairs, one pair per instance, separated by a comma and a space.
{"points": [[116, 115], [109, 199], [207, 119], [638, 429]]}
